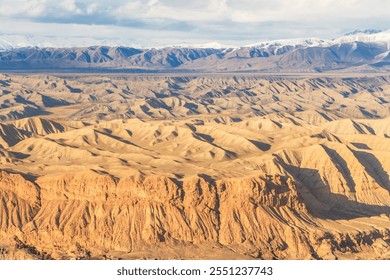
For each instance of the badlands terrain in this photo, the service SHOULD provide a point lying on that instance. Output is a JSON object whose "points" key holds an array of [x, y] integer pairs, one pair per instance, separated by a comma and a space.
{"points": [[194, 167]]}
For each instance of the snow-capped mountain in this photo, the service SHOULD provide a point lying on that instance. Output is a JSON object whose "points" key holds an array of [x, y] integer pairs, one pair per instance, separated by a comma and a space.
{"points": [[359, 50], [9, 42], [210, 45], [369, 36], [305, 42], [365, 31]]}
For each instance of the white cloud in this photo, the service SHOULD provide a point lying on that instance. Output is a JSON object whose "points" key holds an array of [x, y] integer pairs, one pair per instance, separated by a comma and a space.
{"points": [[200, 10], [32, 8], [92, 8], [71, 6], [228, 20]]}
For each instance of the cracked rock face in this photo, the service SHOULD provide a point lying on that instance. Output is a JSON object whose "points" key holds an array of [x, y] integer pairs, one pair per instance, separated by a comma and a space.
{"points": [[93, 214]]}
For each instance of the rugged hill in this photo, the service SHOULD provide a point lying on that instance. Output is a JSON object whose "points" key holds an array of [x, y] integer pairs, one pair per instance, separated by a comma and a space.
{"points": [[233, 167], [166, 97]]}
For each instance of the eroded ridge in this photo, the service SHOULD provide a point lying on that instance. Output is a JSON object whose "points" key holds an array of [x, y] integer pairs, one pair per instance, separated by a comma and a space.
{"points": [[304, 182]]}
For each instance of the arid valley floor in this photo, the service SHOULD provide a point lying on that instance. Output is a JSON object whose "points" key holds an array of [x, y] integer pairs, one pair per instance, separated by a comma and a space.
{"points": [[194, 167]]}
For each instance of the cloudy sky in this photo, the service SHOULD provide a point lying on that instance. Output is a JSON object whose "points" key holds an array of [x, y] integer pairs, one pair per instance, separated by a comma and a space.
{"points": [[234, 22]]}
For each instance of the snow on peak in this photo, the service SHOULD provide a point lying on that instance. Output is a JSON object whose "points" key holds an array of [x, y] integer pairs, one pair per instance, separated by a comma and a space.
{"points": [[364, 36], [210, 45], [365, 31], [8, 42], [304, 42]]}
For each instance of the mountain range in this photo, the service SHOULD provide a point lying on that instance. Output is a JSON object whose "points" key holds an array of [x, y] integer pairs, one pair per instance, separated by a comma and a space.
{"points": [[358, 51]]}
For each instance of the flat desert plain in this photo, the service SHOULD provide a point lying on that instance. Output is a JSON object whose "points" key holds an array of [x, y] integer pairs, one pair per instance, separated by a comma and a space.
{"points": [[194, 167]]}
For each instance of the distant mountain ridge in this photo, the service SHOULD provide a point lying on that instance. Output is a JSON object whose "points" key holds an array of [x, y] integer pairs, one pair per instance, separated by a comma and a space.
{"points": [[362, 51], [366, 31]]}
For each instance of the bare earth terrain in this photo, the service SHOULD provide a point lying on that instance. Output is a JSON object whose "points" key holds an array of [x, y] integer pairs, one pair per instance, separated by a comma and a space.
{"points": [[194, 167]]}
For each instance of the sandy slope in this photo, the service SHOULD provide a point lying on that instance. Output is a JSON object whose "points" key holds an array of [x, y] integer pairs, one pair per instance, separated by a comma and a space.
{"points": [[307, 180]]}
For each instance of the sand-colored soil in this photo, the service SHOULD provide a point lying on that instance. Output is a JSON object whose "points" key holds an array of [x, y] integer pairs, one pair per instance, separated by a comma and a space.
{"points": [[194, 167]]}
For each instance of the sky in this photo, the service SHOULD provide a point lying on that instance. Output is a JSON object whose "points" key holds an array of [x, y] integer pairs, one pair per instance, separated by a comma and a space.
{"points": [[164, 22]]}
